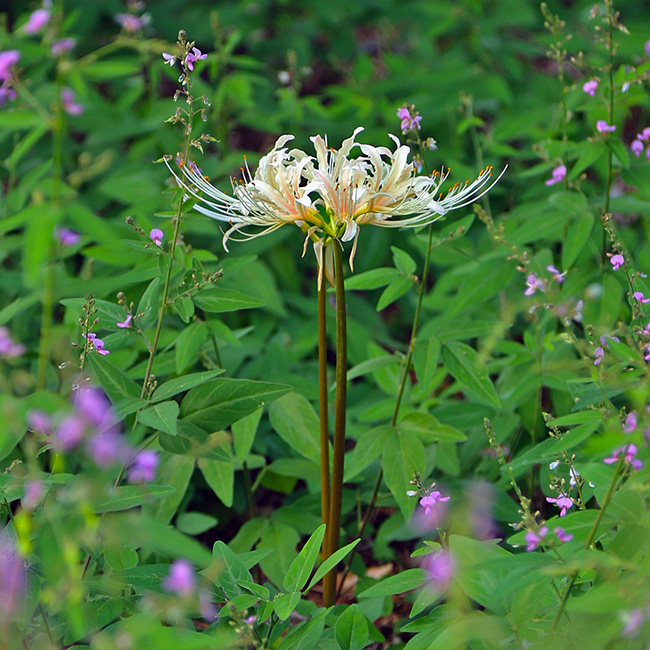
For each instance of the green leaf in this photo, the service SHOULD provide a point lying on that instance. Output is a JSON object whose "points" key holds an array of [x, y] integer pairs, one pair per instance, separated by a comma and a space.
{"points": [[95, 614], [197, 443], [161, 417], [189, 344], [577, 237], [428, 429], [397, 584], [370, 446], [295, 421], [370, 365], [15, 120], [257, 590], [184, 308], [218, 403], [395, 290], [620, 151], [232, 571], [285, 604], [195, 523], [306, 634], [149, 304], [302, 566], [465, 365], [243, 433], [403, 261], [425, 360], [372, 279], [181, 384], [282, 540], [120, 557], [220, 476], [129, 496], [404, 455], [591, 153], [569, 202], [330, 563], [219, 300], [352, 629], [116, 384]]}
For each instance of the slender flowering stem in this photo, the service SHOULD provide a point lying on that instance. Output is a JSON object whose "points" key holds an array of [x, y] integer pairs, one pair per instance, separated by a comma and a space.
{"points": [[334, 528], [324, 425], [610, 45]]}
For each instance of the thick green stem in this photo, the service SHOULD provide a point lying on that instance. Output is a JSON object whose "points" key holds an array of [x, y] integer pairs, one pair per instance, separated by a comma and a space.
{"points": [[324, 425], [334, 528], [400, 394]]}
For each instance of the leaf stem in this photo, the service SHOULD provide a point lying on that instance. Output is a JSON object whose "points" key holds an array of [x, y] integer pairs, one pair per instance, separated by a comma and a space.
{"points": [[324, 425], [334, 527]]}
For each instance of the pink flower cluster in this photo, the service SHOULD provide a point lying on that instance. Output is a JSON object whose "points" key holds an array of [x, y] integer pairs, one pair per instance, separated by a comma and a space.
{"points": [[94, 424], [70, 106], [535, 539], [630, 452], [131, 23], [534, 284], [557, 175], [599, 352], [37, 21], [190, 59], [590, 87], [9, 349], [562, 501], [410, 118], [8, 60], [98, 344], [603, 127], [641, 142], [181, 581]]}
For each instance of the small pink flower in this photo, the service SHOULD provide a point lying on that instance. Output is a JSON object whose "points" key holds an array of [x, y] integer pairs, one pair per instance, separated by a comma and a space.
{"points": [[126, 323], [533, 283], [156, 236], [634, 618], [644, 135], [67, 237], [181, 579], [97, 343], [8, 60], [410, 119], [637, 147], [629, 457], [62, 46], [193, 56], [441, 567], [534, 539], [170, 59], [617, 261], [36, 21], [647, 48], [599, 354], [563, 501], [590, 87], [603, 127], [562, 535], [429, 501], [39, 421], [638, 295], [69, 105], [557, 175], [143, 468], [9, 349], [33, 494], [129, 22], [557, 276], [631, 421]]}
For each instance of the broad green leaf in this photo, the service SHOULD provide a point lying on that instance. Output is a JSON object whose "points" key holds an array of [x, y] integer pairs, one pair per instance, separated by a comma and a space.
{"points": [[220, 402], [120, 557], [569, 202], [397, 584], [126, 497], [465, 365], [174, 471], [428, 429], [96, 614], [231, 571], [285, 604], [370, 365], [161, 417], [302, 566], [577, 237], [181, 384], [197, 443], [352, 629], [188, 345], [330, 563], [404, 455], [295, 421], [195, 523], [281, 540], [619, 150], [425, 360], [372, 279], [149, 304], [403, 261], [396, 289], [257, 590], [369, 447], [220, 299], [220, 476], [116, 384], [306, 634], [243, 433], [184, 308]]}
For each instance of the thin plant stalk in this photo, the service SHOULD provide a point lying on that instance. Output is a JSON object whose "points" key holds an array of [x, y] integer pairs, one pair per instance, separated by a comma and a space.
{"points": [[334, 528], [610, 47], [400, 394], [324, 424]]}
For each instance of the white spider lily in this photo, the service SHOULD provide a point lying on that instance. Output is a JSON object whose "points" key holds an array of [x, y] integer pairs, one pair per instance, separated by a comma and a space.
{"points": [[332, 194]]}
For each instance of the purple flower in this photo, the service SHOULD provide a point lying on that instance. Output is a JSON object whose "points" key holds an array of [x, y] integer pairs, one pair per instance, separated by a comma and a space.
{"points": [[170, 59], [93, 405], [193, 56], [557, 276], [13, 577], [67, 237], [8, 59], [631, 422], [617, 261], [39, 421], [533, 283], [638, 295], [129, 22], [637, 147], [62, 46], [647, 48], [534, 539], [33, 494], [143, 468], [107, 448], [99, 346], [156, 236], [207, 608], [644, 135], [181, 579], [36, 21], [126, 323], [410, 119], [603, 127], [563, 501], [599, 353], [441, 567], [590, 87], [69, 433], [562, 535], [69, 105], [634, 618], [9, 349], [557, 175], [7, 93], [629, 457], [429, 501]]}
